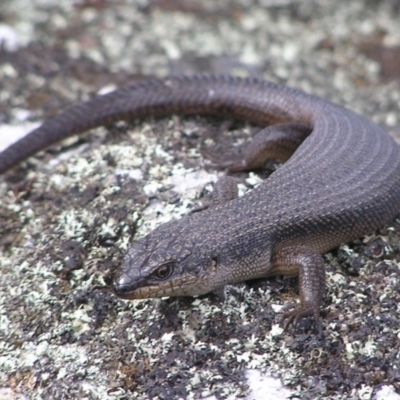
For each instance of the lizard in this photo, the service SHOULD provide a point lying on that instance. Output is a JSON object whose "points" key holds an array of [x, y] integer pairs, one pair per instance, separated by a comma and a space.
{"points": [[341, 180]]}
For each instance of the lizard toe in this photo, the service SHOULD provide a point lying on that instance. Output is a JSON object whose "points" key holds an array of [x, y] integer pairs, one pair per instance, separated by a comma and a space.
{"points": [[297, 313]]}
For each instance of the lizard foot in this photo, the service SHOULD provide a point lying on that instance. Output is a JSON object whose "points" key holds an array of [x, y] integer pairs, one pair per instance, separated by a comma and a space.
{"points": [[293, 317]]}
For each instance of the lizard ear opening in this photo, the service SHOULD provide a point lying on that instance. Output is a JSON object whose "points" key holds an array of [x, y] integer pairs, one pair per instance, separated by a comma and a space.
{"points": [[214, 263]]}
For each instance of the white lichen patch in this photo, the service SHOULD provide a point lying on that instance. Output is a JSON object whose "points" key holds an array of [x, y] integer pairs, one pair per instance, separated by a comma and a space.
{"points": [[73, 223]]}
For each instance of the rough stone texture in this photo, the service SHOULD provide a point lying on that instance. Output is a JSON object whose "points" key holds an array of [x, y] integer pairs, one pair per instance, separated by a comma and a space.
{"points": [[62, 335]]}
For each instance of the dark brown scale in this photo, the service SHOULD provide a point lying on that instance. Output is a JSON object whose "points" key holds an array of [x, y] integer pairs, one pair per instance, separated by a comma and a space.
{"points": [[342, 181]]}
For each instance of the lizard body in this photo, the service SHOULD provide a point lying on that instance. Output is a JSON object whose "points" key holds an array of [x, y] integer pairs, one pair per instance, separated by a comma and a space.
{"points": [[341, 182]]}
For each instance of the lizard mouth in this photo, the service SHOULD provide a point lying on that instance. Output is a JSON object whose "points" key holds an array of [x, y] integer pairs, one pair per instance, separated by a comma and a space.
{"points": [[129, 289], [126, 288]]}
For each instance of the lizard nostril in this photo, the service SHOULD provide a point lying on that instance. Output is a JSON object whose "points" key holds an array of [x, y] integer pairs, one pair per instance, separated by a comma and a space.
{"points": [[121, 285]]}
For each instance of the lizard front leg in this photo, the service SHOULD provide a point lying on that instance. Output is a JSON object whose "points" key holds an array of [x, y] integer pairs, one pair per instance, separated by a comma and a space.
{"points": [[309, 266]]}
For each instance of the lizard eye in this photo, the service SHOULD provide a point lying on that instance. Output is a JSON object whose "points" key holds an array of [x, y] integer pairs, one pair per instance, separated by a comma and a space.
{"points": [[164, 271]]}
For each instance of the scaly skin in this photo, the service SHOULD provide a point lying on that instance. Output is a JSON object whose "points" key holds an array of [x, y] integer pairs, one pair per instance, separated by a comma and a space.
{"points": [[343, 181]]}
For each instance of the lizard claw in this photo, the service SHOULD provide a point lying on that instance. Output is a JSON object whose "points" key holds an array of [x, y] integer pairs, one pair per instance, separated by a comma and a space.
{"points": [[293, 317]]}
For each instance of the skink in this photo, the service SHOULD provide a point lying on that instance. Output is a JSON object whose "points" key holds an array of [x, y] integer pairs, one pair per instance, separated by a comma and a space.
{"points": [[341, 181]]}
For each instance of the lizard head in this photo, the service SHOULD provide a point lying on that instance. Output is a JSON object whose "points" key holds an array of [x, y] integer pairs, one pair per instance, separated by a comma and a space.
{"points": [[165, 264]]}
